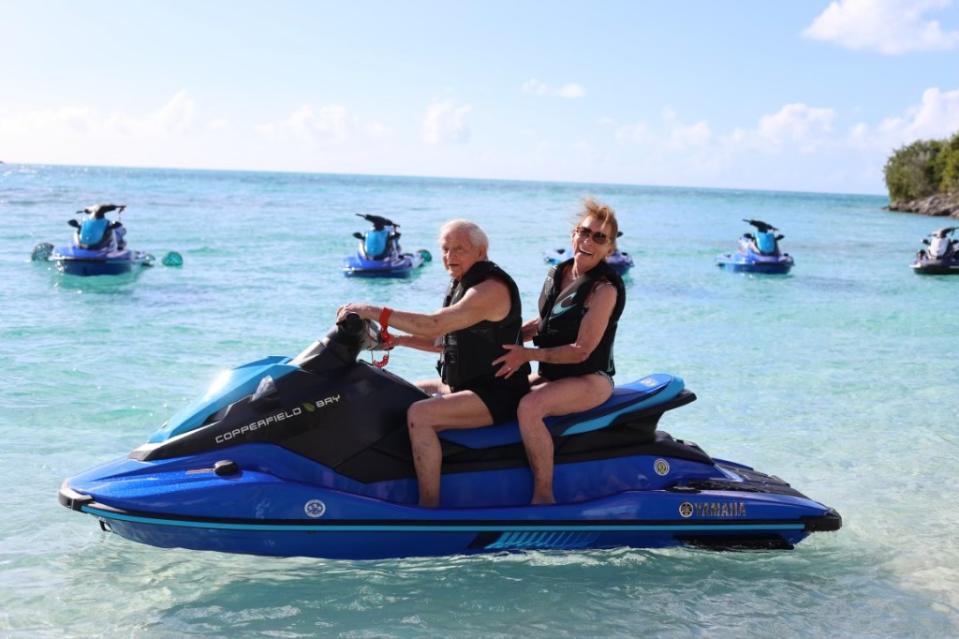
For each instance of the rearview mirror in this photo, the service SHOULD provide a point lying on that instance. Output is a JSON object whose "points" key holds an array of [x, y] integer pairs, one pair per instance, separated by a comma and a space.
{"points": [[73, 223], [924, 240], [358, 235]]}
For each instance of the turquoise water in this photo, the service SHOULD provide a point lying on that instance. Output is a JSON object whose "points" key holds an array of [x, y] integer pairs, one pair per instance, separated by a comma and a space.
{"points": [[840, 378]]}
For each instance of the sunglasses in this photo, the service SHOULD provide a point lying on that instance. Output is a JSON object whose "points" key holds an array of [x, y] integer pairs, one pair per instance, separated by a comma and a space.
{"points": [[598, 237]]}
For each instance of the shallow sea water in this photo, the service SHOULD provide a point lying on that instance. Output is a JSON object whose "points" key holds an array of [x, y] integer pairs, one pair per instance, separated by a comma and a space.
{"points": [[840, 378]]}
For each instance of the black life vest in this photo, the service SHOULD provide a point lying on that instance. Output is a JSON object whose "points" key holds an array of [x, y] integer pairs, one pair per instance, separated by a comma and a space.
{"points": [[468, 354], [560, 318]]}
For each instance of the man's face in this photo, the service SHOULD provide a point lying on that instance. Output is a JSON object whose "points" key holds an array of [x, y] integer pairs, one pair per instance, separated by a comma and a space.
{"points": [[459, 254]]}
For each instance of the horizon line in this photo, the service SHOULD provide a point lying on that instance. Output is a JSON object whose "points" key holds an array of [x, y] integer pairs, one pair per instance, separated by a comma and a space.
{"points": [[441, 177]]}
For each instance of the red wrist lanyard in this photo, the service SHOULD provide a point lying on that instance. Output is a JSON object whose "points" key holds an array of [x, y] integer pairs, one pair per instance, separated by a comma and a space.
{"points": [[385, 336]]}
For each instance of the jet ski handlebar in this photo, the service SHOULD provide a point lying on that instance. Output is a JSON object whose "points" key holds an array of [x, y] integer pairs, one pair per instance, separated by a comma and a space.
{"points": [[342, 344], [99, 210], [760, 225], [378, 222]]}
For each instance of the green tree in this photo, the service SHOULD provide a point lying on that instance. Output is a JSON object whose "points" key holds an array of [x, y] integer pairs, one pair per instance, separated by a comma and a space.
{"points": [[947, 166], [911, 171]]}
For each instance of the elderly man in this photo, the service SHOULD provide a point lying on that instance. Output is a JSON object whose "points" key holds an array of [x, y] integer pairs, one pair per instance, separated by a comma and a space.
{"points": [[481, 312]]}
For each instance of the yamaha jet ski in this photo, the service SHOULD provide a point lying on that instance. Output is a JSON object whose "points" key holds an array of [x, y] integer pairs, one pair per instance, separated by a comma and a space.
{"points": [[620, 261], [941, 257], [379, 253], [758, 253], [98, 246], [310, 456]]}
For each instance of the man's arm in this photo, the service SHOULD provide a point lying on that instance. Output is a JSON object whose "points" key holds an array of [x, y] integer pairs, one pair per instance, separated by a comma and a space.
{"points": [[419, 343], [488, 300]]}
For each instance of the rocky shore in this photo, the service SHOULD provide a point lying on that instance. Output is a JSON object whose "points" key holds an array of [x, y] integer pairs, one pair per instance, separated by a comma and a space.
{"points": [[940, 205]]}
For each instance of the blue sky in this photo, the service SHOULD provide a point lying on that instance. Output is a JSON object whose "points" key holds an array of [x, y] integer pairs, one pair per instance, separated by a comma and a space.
{"points": [[808, 96]]}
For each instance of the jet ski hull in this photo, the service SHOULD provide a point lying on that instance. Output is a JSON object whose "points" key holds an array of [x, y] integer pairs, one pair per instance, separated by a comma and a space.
{"points": [[76, 261], [751, 263], [401, 266], [935, 267], [283, 518]]}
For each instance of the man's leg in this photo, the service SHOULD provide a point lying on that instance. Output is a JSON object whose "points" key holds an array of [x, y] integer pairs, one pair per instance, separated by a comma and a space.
{"points": [[433, 386], [463, 409]]}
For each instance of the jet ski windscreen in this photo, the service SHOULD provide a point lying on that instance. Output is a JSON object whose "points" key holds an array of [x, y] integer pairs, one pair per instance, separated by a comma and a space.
{"points": [[766, 242], [91, 231], [376, 242]]}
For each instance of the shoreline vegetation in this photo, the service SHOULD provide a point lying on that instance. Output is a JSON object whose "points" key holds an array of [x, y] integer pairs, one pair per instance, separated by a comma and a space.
{"points": [[923, 178]]}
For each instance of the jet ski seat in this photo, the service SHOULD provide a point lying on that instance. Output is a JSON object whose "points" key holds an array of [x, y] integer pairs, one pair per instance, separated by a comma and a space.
{"points": [[641, 395]]}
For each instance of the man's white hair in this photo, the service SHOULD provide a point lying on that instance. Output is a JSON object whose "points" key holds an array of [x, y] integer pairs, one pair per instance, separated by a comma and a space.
{"points": [[476, 235]]}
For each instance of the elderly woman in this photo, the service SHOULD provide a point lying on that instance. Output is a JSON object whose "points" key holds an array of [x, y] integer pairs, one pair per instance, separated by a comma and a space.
{"points": [[579, 307]]}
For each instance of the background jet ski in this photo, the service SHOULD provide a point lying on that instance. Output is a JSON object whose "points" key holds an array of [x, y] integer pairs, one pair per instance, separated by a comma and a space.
{"points": [[620, 261], [941, 257], [379, 254], [310, 456], [757, 253], [98, 246]]}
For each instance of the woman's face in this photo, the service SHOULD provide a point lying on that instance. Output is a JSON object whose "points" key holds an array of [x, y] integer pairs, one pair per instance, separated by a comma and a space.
{"points": [[592, 243]]}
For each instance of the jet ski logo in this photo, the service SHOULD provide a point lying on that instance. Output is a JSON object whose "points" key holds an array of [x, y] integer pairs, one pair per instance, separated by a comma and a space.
{"points": [[686, 510], [314, 508], [320, 403], [661, 466]]}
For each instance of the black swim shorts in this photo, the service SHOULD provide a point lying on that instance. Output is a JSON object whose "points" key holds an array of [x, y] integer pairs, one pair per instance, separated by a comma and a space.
{"points": [[502, 399]]}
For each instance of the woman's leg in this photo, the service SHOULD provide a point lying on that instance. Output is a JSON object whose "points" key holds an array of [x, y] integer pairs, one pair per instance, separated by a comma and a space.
{"points": [[564, 396]]}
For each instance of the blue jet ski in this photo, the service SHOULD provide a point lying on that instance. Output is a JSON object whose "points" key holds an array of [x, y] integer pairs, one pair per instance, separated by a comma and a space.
{"points": [[310, 456], [98, 246], [379, 254], [941, 255], [758, 253], [620, 261]]}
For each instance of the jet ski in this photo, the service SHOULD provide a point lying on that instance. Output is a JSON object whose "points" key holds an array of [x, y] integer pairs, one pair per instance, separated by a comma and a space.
{"points": [[379, 254], [98, 246], [619, 260], [941, 257], [310, 456], [758, 253]]}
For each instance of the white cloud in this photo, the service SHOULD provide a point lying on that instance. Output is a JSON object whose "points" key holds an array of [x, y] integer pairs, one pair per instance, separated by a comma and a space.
{"points": [[445, 123], [673, 135], [796, 123], [887, 26], [175, 119], [936, 116], [569, 90], [331, 123]]}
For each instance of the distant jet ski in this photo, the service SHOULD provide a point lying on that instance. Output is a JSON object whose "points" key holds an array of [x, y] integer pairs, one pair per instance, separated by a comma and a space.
{"points": [[378, 253], [98, 246], [758, 253], [941, 255], [620, 261]]}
